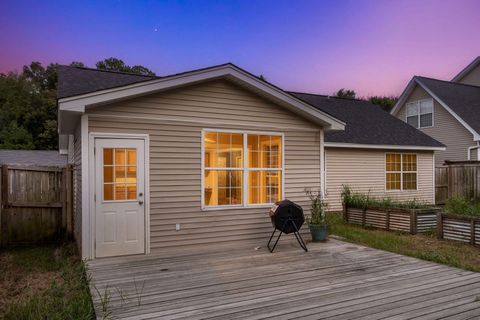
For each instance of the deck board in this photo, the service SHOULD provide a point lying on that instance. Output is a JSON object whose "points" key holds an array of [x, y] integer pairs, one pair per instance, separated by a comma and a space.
{"points": [[334, 280]]}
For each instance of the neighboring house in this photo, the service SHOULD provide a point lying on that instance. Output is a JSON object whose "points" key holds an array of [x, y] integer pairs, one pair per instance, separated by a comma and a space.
{"points": [[448, 111], [197, 158], [50, 158]]}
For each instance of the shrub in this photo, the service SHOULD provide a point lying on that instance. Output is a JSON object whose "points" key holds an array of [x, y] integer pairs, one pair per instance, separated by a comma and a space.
{"points": [[461, 206], [361, 200], [318, 207]]}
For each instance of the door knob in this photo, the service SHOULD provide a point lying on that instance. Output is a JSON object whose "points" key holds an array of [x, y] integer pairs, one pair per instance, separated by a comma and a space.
{"points": [[140, 202]]}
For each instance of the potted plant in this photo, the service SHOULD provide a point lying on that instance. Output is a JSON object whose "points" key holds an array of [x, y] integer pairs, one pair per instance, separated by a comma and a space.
{"points": [[316, 220]]}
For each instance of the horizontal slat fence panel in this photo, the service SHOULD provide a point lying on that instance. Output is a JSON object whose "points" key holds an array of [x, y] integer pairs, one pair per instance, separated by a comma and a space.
{"points": [[459, 228], [406, 220], [35, 204]]}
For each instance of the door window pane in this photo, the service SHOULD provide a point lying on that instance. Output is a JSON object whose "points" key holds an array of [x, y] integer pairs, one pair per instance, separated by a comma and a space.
{"points": [[108, 192], [107, 156], [119, 157], [119, 174]]}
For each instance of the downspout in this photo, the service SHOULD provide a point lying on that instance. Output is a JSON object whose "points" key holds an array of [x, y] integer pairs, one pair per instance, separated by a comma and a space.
{"points": [[469, 150]]}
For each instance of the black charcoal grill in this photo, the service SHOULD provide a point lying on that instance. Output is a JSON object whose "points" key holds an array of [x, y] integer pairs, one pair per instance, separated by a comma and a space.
{"points": [[287, 217]]}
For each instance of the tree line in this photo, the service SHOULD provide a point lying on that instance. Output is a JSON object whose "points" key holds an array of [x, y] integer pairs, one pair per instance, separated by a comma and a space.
{"points": [[28, 103], [385, 102]]}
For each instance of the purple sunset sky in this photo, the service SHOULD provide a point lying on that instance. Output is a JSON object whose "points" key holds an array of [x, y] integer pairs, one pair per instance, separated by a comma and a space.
{"points": [[373, 47]]}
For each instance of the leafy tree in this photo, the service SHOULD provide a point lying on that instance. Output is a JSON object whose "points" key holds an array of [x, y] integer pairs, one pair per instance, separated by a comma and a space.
{"points": [[345, 93], [28, 105], [28, 108], [114, 64], [385, 102]]}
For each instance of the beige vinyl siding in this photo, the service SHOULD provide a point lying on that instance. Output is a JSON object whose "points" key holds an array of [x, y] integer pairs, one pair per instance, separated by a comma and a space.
{"points": [[446, 129], [364, 171], [472, 78], [175, 158], [77, 186]]}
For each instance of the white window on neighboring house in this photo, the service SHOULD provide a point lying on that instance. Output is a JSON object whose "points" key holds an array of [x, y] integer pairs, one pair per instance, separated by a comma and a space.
{"points": [[420, 113]]}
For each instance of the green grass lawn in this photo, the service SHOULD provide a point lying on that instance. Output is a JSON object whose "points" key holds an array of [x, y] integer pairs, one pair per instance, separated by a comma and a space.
{"points": [[47, 282], [422, 246]]}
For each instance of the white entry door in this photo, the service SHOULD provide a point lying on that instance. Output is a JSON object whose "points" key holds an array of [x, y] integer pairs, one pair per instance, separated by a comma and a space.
{"points": [[119, 196]]}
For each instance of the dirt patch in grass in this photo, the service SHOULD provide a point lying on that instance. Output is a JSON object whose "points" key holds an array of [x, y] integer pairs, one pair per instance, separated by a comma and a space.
{"points": [[18, 285], [422, 246], [43, 283]]}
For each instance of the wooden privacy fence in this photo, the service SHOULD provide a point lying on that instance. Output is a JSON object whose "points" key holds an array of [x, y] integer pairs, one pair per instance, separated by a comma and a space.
{"points": [[457, 178], [459, 228], [36, 205], [407, 220]]}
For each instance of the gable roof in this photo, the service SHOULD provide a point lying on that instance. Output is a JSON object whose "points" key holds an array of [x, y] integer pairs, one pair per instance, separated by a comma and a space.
{"points": [[111, 91], [475, 63], [367, 124], [462, 101], [50, 158]]}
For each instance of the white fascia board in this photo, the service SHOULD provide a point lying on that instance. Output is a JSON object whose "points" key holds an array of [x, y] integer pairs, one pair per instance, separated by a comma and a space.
{"points": [[81, 102], [476, 136], [381, 146], [466, 70], [403, 97]]}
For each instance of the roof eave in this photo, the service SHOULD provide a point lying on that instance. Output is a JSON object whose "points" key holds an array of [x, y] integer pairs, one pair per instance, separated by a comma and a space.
{"points": [[383, 146], [408, 90], [84, 101], [467, 69]]}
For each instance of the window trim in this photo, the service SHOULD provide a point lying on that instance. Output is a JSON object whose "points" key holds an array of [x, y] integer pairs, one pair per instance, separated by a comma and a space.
{"points": [[401, 172], [418, 102], [245, 170]]}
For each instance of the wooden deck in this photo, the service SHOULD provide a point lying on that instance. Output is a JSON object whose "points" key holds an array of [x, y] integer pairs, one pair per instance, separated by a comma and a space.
{"points": [[334, 280]]}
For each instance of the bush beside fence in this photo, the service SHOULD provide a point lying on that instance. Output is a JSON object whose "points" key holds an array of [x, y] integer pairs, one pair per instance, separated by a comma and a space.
{"points": [[406, 220]]}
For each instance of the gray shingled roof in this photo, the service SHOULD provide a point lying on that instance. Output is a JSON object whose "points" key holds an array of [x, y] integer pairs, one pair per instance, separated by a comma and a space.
{"points": [[33, 158], [367, 123], [74, 81], [463, 99]]}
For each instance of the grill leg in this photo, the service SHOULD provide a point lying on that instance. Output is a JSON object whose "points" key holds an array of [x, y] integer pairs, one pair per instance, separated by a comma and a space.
{"points": [[299, 237], [271, 237]]}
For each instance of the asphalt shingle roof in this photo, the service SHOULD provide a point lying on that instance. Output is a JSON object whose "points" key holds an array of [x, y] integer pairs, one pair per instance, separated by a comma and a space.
{"points": [[50, 158], [463, 99], [367, 123], [74, 81]]}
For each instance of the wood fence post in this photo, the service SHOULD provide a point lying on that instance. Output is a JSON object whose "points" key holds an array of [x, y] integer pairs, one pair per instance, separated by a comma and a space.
{"points": [[387, 220], [3, 205], [472, 231], [63, 200], [439, 225], [364, 216], [69, 200], [413, 221]]}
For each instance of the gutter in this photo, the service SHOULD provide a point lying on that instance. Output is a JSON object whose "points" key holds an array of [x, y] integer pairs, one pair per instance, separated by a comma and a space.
{"points": [[469, 150]]}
